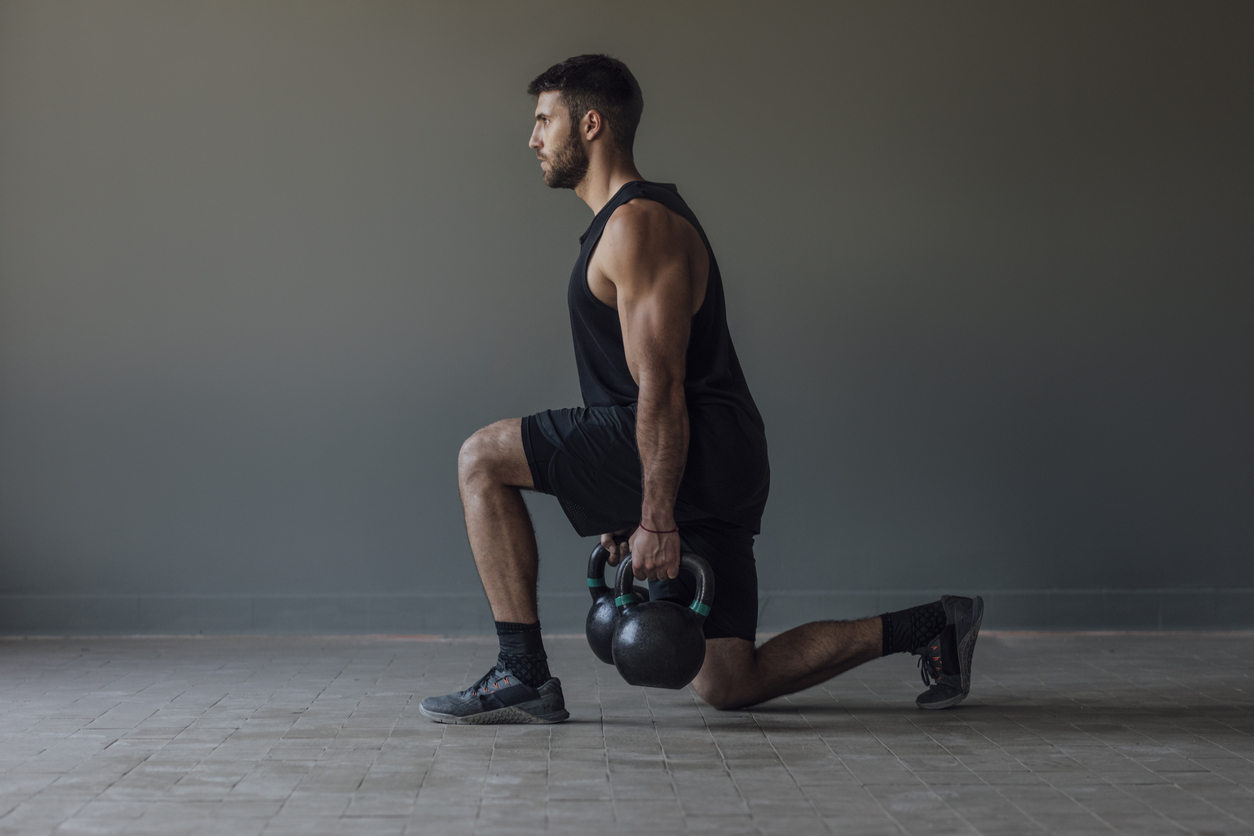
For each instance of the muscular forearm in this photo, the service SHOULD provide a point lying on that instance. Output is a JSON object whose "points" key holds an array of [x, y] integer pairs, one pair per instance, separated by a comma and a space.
{"points": [[662, 435]]}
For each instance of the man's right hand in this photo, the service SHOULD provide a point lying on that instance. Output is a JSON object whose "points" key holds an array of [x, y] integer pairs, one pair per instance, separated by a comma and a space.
{"points": [[615, 542]]}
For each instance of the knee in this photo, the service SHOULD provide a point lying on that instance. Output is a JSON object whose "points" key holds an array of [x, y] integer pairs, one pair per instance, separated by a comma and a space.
{"points": [[718, 698], [474, 460], [721, 692], [729, 677]]}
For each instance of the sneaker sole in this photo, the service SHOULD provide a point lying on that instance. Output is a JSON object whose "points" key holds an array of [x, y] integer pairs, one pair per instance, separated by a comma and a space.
{"points": [[949, 703], [966, 647], [509, 714], [966, 650]]}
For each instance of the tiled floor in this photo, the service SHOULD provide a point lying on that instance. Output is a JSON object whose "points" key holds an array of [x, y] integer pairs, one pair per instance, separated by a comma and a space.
{"points": [[1082, 734]]}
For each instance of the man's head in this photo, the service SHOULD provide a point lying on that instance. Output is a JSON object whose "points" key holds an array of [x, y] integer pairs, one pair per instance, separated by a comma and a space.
{"points": [[592, 95]]}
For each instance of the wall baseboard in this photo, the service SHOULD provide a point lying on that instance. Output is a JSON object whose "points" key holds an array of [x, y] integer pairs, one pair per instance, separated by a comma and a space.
{"points": [[467, 613]]}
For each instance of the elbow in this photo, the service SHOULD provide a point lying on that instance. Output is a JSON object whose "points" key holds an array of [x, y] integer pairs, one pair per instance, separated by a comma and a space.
{"points": [[665, 387]]}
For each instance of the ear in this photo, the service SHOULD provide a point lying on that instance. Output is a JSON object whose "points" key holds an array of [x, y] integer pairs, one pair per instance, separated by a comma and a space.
{"points": [[593, 125]]}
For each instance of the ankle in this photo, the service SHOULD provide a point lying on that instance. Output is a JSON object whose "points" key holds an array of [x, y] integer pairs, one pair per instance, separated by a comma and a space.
{"points": [[905, 631], [522, 652], [519, 638]]}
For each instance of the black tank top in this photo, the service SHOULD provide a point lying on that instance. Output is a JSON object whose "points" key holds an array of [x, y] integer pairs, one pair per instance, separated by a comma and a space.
{"points": [[727, 475]]}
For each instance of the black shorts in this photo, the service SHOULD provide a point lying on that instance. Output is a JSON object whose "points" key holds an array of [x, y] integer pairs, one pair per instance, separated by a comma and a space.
{"points": [[587, 458]]}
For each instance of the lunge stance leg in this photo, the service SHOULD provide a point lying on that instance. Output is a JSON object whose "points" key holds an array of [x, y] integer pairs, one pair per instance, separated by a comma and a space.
{"points": [[492, 471]]}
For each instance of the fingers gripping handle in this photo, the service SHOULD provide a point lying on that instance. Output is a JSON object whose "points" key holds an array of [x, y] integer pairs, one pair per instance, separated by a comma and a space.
{"points": [[624, 599]]}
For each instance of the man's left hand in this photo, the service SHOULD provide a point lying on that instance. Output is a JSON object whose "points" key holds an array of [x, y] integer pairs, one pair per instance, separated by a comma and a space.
{"points": [[654, 557]]}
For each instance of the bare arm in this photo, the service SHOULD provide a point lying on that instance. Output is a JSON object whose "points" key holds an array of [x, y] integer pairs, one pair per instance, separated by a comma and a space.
{"points": [[644, 253]]}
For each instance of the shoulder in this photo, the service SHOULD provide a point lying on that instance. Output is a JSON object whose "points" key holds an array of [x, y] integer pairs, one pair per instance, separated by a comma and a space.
{"points": [[641, 227]]}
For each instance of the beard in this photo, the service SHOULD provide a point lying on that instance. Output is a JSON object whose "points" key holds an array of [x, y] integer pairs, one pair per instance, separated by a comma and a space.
{"points": [[568, 165]]}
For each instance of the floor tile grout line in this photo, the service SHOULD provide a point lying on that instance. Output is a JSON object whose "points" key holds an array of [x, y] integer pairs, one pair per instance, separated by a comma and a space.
{"points": [[1207, 801], [1076, 801], [605, 748], [657, 734], [548, 777], [1107, 782], [861, 784], [976, 775], [916, 777], [727, 770], [312, 702], [766, 736], [36, 794]]}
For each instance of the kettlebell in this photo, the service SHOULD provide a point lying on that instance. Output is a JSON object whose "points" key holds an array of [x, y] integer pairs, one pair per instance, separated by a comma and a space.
{"points": [[661, 643], [603, 614]]}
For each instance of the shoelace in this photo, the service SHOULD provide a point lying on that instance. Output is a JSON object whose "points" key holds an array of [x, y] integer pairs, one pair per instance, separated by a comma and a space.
{"points": [[481, 686], [930, 663]]}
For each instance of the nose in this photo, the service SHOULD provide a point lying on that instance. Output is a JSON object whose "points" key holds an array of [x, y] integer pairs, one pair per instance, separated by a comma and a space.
{"points": [[535, 138]]}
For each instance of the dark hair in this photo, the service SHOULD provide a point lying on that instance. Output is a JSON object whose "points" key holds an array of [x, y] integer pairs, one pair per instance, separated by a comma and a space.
{"points": [[600, 83]]}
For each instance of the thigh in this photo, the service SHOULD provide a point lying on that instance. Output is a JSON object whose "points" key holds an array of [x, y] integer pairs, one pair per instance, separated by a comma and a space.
{"points": [[587, 458]]}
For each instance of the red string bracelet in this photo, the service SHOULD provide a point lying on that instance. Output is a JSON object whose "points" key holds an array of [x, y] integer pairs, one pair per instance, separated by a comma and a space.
{"points": [[651, 531]]}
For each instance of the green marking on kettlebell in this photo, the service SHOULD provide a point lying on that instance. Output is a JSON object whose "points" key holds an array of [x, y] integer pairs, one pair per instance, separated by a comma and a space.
{"points": [[699, 608], [595, 582], [624, 599]]}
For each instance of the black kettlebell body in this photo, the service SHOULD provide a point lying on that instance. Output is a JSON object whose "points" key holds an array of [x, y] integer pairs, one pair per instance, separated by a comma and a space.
{"points": [[603, 615], [660, 643]]}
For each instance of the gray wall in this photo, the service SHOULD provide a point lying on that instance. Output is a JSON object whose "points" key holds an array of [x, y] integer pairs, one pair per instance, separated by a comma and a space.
{"points": [[264, 266]]}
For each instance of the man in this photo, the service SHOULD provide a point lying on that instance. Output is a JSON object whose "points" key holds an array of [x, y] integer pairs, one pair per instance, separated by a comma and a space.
{"points": [[668, 449]]}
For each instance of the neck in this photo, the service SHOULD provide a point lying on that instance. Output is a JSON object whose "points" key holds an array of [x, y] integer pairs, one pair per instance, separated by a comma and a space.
{"points": [[604, 179]]}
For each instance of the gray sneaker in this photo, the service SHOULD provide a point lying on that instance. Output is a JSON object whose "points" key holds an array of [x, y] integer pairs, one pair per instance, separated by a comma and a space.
{"points": [[945, 662], [499, 697]]}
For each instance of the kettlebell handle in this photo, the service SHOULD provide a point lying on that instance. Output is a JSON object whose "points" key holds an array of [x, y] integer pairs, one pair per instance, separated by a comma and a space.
{"points": [[596, 570], [624, 599]]}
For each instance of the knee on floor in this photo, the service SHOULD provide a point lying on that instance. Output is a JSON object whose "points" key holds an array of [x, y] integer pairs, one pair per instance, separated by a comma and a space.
{"points": [[720, 693]]}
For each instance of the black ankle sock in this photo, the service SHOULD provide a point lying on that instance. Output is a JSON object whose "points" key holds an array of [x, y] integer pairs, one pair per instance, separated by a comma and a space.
{"points": [[522, 652], [905, 631]]}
